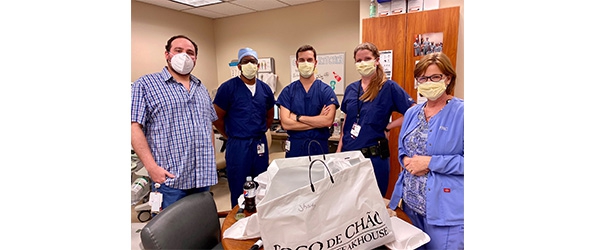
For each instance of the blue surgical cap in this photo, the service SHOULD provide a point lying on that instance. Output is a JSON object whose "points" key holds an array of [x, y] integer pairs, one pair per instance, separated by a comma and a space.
{"points": [[246, 52]]}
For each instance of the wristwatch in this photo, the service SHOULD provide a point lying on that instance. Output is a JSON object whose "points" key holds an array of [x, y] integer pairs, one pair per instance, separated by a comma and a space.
{"points": [[297, 118], [386, 129]]}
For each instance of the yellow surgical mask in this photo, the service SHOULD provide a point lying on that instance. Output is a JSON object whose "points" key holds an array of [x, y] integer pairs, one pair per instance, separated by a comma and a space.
{"points": [[249, 70], [366, 68], [432, 90], [306, 69]]}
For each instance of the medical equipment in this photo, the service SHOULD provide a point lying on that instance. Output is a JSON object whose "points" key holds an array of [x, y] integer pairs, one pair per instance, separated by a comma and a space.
{"points": [[140, 188]]}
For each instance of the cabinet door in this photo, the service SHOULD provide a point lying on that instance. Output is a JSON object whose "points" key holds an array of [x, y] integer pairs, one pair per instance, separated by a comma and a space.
{"points": [[398, 33], [444, 21]]}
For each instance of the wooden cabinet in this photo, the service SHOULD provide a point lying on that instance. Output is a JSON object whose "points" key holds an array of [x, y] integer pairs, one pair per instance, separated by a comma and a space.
{"points": [[398, 33]]}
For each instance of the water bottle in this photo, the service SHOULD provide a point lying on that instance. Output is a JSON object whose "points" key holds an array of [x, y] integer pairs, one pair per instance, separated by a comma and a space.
{"points": [[138, 189], [373, 9], [249, 190]]}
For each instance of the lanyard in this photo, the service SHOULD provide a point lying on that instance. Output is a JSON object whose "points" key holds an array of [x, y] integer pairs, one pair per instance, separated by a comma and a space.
{"points": [[359, 104]]}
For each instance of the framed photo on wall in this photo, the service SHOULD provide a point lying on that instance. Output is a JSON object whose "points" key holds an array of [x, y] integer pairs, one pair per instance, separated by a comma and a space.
{"points": [[266, 65]]}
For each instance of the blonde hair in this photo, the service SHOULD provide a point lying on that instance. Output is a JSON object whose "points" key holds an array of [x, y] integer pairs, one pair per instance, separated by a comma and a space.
{"points": [[379, 77]]}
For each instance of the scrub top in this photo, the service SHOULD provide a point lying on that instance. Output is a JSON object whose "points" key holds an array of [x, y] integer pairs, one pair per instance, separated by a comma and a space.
{"points": [[245, 114], [374, 115], [294, 98]]}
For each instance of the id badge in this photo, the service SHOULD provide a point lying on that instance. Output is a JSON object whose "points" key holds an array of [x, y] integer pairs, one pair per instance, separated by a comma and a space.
{"points": [[355, 130], [260, 149], [155, 199], [287, 146]]}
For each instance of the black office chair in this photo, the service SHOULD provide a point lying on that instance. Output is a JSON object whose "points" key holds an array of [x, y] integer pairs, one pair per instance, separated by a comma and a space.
{"points": [[190, 223], [221, 159]]}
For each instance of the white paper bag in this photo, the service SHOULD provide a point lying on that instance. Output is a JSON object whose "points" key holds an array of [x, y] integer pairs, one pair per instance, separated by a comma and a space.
{"points": [[407, 236], [248, 227], [305, 208]]}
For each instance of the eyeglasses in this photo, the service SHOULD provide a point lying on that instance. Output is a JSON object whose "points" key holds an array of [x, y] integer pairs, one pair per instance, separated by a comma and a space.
{"points": [[433, 78]]}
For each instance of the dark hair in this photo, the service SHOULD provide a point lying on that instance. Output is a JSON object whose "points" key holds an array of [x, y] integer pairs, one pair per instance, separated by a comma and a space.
{"points": [[443, 63], [169, 43], [306, 48]]}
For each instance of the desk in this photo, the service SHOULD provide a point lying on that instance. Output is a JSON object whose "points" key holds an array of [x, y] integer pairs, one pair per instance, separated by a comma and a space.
{"points": [[332, 141], [232, 244], [284, 135]]}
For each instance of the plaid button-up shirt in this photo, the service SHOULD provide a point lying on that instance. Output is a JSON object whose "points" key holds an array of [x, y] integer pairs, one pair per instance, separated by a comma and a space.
{"points": [[178, 125]]}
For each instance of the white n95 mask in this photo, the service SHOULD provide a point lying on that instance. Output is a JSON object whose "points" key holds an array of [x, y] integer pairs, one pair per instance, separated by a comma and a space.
{"points": [[365, 68], [306, 69], [432, 90], [249, 70], [182, 63]]}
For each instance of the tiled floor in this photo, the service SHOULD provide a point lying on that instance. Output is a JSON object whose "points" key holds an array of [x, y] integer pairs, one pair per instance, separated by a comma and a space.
{"points": [[221, 195]]}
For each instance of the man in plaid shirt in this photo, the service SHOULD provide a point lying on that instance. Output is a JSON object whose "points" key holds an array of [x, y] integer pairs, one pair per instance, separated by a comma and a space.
{"points": [[171, 125]]}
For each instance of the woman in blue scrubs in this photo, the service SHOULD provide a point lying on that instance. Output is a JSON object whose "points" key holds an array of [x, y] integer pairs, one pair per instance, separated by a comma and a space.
{"points": [[244, 105], [368, 105], [431, 149]]}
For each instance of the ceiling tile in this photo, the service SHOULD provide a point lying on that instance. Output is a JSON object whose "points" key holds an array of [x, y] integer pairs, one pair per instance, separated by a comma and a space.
{"points": [[205, 13], [295, 2], [227, 9], [261, 4], [230, 7], [168, 4]]}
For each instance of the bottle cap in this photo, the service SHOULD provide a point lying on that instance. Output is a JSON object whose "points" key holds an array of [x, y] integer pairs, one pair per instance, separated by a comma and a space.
{"points": [[249, 178]]}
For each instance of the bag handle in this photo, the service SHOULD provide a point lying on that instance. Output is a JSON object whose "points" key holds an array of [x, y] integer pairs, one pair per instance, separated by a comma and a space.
{"points": [[309, 148], [326, 167]]}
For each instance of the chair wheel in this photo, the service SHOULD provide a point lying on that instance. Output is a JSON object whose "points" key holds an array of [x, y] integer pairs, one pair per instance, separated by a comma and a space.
{"points": [[145, 218]]}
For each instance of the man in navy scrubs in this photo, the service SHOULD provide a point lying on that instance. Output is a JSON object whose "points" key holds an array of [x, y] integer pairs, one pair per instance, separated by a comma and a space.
{"points": [[244, 105], [307, 108]]}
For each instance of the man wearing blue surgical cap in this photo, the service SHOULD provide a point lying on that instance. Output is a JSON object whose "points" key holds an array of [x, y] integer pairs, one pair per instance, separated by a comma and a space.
{"points": [[244, 105]]}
